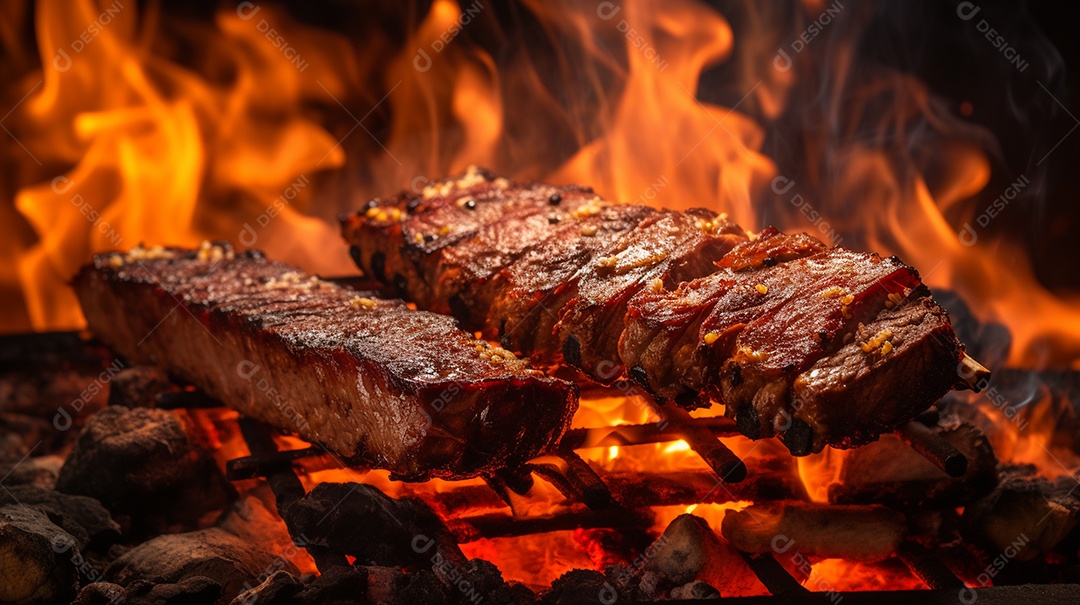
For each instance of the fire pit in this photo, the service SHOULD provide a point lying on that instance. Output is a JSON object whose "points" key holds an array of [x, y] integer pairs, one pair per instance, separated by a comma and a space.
{"points": [[137, 126]]}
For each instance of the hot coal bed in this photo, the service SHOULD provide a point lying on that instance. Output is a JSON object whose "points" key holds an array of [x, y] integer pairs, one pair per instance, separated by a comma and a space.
{"points": [[116, 490]]}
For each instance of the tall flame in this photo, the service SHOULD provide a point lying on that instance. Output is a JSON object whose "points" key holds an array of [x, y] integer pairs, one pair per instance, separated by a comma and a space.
{"points": [[161, 153], [147, 131]]}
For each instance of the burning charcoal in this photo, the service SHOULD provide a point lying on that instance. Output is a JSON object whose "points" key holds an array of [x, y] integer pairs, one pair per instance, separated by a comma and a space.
{"points": [[249, 519], [859, 533], [33, 568], [480, 578], [1025, 517], [12, 445], [39, 471], [375, 584], [42, 391], [695, 590], [383, 583], [198, 590], [519, 595], [359, 520], [388, 586], [580, 587], [280, 587], [690, 550], [649, 585], [889, 472], [44, 395], [344, 585], [214, 553], [140, 460], [138, 386], [20, 433], [423, 587], [82, 517], [100, 593]]}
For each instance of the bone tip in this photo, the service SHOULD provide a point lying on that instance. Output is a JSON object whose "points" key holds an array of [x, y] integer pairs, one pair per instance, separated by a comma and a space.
{"points": [[973, 375]]}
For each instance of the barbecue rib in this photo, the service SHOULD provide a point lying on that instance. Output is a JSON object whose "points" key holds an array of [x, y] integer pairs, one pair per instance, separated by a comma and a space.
{"points": [[822, 345], [372, 380]]}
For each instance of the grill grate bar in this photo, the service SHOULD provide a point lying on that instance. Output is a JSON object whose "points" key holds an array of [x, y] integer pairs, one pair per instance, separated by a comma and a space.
{"points": [[286, 486], [927, 567]]}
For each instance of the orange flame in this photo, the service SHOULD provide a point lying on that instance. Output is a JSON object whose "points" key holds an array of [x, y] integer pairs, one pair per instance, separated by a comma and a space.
{"points": [[161, 153], [159, 147]]}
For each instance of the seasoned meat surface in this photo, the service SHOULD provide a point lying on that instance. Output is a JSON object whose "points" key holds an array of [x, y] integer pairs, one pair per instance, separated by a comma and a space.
{"points": [[822, 346], [372, 380]]}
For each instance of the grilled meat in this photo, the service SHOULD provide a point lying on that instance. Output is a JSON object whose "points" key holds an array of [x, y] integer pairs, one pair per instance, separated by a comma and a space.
{"points": [[822, 345], [372, 380], [839, 345], [541, 287]]}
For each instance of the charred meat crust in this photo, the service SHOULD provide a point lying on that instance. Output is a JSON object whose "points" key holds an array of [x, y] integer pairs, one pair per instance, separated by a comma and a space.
{"points": [[372, 380], [699, 311]]}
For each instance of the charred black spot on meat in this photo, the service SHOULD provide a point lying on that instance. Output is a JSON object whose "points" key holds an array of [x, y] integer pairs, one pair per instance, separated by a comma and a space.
{"points": [[571, 350], [504, 339], [641, 377], [553, 219], [799, 438], [357, 255], [378, 265], [401, 284], [554, 199], [736, 375], [769, 261], [686, 399], [746, 421], [459, 308]]}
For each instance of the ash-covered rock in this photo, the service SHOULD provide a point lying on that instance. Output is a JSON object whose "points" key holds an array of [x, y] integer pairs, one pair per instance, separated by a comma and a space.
{"points": [[146, 465], [212, 553], [38, 559], [81, 516]]}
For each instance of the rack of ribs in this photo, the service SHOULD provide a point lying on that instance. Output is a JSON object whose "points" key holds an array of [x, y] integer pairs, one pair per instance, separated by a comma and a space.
{"points": [[373, 381], [821, 346]]}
